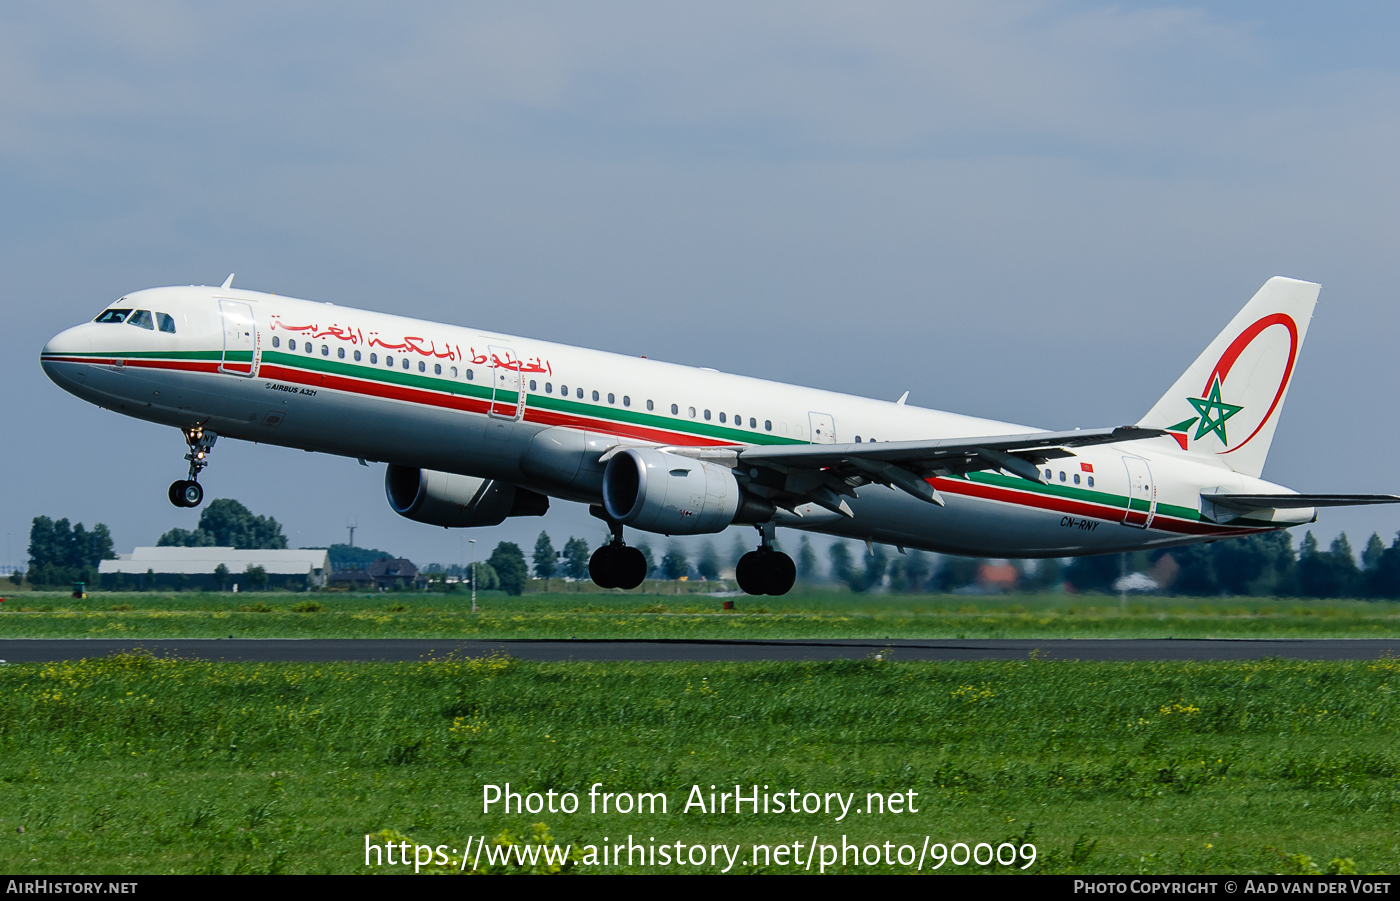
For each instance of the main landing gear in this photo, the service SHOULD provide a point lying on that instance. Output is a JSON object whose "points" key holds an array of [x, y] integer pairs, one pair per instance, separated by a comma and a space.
{"points": [[766, 570], [615, 565], [187, 492]]}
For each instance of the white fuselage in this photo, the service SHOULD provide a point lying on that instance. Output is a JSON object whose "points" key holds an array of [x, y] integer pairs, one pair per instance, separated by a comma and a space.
{"points": [[387, 388]]}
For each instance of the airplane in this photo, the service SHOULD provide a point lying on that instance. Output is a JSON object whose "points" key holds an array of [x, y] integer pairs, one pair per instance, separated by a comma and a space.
{"points": [[476, 426]]}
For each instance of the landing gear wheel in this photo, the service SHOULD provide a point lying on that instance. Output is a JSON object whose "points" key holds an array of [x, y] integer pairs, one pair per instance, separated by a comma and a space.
{"points": [[780, 573], [176, 493], [191, 494], [765, 572], [602, 567], [629, 567], [617, 566], [748, 572]]}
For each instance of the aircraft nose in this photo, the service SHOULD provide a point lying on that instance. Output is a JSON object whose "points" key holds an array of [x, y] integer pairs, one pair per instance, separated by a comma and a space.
{"points": [[61, 358], [69, 341]]}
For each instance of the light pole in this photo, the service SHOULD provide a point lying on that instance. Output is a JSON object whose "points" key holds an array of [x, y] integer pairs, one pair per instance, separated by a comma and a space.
{"points": [[473, 544]]}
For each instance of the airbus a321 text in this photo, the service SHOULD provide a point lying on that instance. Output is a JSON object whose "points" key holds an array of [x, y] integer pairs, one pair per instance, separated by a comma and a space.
{"points": [[477, 426]]}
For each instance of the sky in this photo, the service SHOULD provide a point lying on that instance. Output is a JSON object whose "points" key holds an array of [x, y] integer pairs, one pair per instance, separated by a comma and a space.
{"points": [[1036, 212]]}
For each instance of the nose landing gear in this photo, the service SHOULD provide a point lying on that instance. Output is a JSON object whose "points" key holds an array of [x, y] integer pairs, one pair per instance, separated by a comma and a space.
{"points": [[766, 570], [615, 565], [187, 492]]}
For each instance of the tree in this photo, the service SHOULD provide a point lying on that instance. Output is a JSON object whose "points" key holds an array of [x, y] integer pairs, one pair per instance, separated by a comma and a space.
{"points": [[909, 571], [1048, 575], [647, 556], [1372, 555], [60, 553], [708, 564], [1331, 574], [230, 524], [1383, 579], [486, 579], [674, 565], [545, 559], [221, 575], [509, 563], [185, 538], [576, 558], [256, 576], [956, 572], [840, 561], [808, 569]]}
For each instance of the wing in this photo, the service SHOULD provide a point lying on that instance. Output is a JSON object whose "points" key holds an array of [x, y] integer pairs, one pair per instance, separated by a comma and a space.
{"points": [[820, 473]]}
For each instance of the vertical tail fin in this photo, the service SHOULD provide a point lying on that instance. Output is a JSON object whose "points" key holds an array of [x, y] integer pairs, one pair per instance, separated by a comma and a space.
{"points": [[1228, 403]]}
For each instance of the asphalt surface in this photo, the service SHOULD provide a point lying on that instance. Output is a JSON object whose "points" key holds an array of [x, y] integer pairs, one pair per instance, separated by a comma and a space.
{"points": [[36, 650]]}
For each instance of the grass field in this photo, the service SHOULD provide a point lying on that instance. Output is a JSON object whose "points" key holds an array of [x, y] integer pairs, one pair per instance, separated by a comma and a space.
{"points": [[802, 614], [137, 765]]}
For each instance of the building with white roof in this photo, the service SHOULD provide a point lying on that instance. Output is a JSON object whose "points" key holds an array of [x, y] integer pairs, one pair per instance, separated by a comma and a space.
{"points": [[193, 567]]}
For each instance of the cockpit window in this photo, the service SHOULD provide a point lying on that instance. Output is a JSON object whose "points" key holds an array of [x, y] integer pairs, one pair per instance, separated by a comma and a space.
{"points": [[166, 322], [113, 316], [142, 319]]}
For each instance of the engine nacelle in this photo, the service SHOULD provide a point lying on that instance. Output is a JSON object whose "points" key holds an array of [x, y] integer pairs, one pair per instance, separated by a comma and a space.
{"points": [[456, 501], [656, 491]]}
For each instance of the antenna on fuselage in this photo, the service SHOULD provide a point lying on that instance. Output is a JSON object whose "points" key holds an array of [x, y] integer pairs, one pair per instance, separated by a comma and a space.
{"points": [[902, 398], [228, 282]]}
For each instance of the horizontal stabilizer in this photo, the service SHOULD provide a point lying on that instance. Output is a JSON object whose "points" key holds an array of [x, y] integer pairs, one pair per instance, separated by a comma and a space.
{"points": [[1298, 501]]}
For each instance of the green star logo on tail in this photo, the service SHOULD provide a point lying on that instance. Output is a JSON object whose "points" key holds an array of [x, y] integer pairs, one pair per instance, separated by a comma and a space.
{"points": [[1214, 413]]}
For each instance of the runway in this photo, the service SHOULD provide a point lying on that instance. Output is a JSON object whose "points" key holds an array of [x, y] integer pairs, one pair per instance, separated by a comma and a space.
{"points": [[564, 650]]}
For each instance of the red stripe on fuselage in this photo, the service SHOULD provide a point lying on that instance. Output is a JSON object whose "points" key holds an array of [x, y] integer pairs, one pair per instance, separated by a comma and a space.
{"points": [[1160, 522]]}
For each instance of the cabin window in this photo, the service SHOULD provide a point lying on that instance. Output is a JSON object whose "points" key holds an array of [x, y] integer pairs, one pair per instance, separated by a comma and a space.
{"points": [[374, 358], [707, 415], [857, 439], [422, 367], [112, 316], [166, 322], [650, 406], [1049, 475], [578, 392], [389, 360], [276, 341], [357, 356], [721, 415], [692, 412], [675, 410], [767, 425], [142, 319], [470, 375], [611, 399], [405, 363], [563, 390], [340, 352], [753, 423], [595, 395], [1076, 478], [1091, 481], [548, 387], [626, 401], [325, 350], [308, 347], [437, 370], [1062, 475]]}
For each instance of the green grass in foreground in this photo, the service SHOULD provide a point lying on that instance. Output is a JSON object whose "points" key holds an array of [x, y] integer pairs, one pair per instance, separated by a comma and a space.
{"points": [[137, 765], [812, 614]]}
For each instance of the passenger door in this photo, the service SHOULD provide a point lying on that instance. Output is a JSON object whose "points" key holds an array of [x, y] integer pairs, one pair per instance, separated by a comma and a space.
{"points": [[507, 400], [240, 355], [823, 428], [1142, 494]]}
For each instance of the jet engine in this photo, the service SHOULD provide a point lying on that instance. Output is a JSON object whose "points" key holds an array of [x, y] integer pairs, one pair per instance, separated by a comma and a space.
{"points": [[456, 501], [662, 492]]}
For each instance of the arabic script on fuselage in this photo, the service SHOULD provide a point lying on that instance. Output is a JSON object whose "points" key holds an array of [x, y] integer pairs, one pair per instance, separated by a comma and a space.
{"points": [[414, 344]]}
